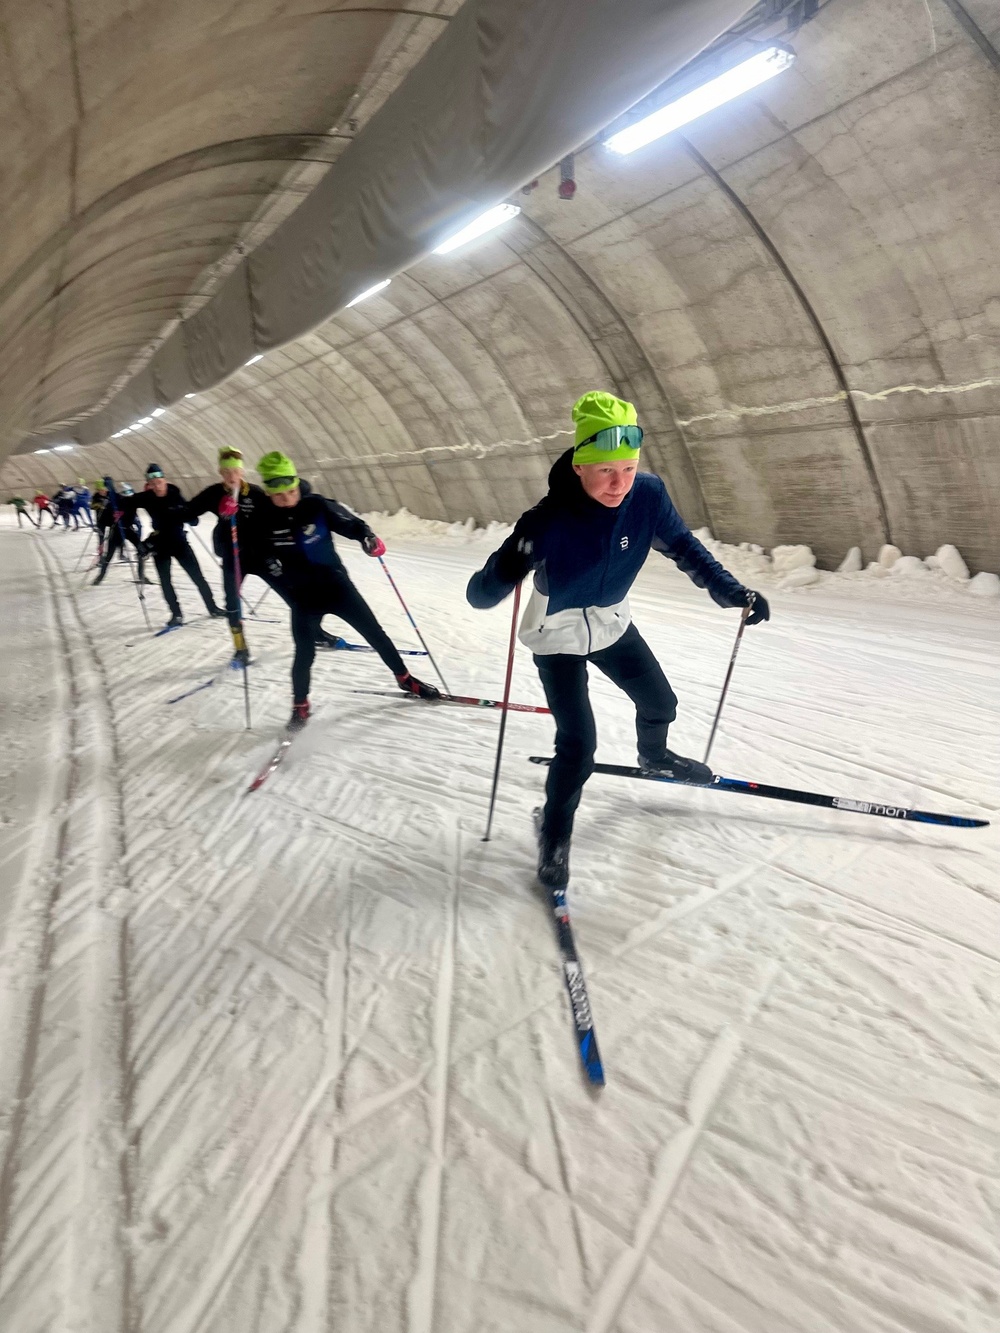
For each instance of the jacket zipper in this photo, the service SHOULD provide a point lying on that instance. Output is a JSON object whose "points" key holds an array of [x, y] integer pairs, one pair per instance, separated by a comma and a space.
{"points": [[590, 637]]}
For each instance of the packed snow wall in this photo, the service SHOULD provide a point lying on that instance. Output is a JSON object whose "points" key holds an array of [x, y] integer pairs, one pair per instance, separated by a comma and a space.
{"points": [[800, 291]]}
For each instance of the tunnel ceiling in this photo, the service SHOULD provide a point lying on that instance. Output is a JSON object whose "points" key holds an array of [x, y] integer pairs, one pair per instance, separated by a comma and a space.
{"points": [[800, 291], [142, 144]]}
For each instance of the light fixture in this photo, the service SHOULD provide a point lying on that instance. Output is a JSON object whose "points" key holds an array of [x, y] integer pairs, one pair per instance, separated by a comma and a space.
{"points": [[189, 395], [136, 425], [253, 359], [740, 79], [63, 448], [144, 421], [493, 217], [159, 411], [370, 291], [42, 451]]}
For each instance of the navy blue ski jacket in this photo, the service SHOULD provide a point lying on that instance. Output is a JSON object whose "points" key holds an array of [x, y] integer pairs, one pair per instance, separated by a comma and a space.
{"points": [[585, 558]]}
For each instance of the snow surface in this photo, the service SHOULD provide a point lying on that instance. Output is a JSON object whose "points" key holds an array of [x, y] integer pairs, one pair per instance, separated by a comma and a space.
{"points": [[302, 1060]]}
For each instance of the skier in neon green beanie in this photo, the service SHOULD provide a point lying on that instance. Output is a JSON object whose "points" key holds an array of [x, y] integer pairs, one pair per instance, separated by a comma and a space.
{"points": [[299, 532], [586, 542]]}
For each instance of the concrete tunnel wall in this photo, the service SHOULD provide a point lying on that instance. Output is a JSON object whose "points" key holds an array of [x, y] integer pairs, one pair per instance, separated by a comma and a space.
{"points": [[801, 293]]}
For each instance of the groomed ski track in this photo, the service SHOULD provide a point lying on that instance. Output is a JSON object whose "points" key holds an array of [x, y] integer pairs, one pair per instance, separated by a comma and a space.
{"points": [[302, 1061]]}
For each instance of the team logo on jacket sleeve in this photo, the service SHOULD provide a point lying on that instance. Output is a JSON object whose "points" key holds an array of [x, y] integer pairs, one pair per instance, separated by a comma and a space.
{"points": [[624, 543]]}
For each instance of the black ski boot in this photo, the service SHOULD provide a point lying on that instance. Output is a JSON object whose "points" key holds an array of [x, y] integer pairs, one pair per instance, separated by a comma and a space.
{"points": [[175, 622], [410, 685], [216, 611], [100, 576], [241, 659], [553, 857], [677, 767], [331, 641], [300, 716]]}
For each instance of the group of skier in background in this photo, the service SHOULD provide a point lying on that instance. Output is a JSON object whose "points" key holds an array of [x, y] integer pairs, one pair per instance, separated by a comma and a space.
{"points": [[585, 543], [70, 503]]}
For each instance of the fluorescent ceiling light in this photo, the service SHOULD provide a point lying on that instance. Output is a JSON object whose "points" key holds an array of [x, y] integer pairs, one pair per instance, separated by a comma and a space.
{"points": [[136, 425], [41, 451], [159, 411], [63, 448], [493, 217], [258, 357], [144, 421], [370, 291], [189, 395], [740, 79]]}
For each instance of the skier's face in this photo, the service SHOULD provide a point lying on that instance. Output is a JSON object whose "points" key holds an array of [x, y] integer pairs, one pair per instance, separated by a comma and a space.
{"points": [[158, 485], [287, 499], [607, 483], [232, 477]]}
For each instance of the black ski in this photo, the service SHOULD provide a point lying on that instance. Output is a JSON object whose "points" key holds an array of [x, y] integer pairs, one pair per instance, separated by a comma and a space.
{"points": [[789, 794], [579, 1000]]}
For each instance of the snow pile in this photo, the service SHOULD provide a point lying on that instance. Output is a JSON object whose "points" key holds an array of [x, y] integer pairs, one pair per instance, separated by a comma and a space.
{"points": [[985, 584], [948, 560], [888, 556], [404, 524], [789, 567]]}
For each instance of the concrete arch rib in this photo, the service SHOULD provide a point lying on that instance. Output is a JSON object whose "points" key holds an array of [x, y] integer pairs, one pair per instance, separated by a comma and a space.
{"points": [[822, 337], [630, 371]]}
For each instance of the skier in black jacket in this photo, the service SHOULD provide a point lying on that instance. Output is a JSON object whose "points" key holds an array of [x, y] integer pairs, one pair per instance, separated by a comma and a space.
{"points": [[167, 510], [231, 497], [586, 542], [304, 559], [114, 528]]}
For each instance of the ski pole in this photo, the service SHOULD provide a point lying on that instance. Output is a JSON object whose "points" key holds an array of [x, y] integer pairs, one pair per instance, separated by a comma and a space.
{"points": [[503, 715], [237, 575], [253, 609], [423, 641], [729, 675]]}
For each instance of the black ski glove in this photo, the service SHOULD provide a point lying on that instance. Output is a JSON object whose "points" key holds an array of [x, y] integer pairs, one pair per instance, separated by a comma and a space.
{"points": [[759, 609]]}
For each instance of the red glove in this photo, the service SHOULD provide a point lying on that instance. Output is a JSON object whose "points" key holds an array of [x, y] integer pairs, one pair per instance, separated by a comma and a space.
{"points": [[373, 545], [228, 506]]}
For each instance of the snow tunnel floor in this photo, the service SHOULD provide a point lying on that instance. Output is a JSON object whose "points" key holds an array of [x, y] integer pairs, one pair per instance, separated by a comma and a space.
{"points": [[303, 1060]]}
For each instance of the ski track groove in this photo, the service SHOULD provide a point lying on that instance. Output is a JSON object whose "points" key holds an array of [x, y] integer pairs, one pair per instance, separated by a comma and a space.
{"points": [[102, 955], [707, 1088], [422, 1294]]}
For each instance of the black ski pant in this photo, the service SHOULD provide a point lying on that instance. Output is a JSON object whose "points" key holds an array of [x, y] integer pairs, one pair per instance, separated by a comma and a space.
{"points": [[630, 664], [46, 510], [66, 515], [114, 543], [22, 514], [339, 597], [185, 557]]}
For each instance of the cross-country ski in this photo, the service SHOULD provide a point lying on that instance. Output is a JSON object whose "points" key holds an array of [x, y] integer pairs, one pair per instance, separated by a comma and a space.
{"points": [[742, 788]]}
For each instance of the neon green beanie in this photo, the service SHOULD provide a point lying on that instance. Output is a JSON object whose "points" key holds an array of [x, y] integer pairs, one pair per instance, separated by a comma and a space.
{"points": [[230, 456], [597, 411], [277, 472]]}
